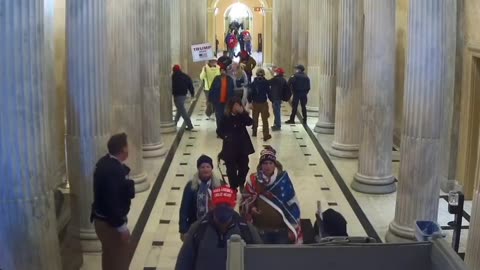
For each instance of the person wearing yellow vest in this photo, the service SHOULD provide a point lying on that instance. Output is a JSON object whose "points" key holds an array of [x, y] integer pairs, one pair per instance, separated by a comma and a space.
{"points": [[208, 74]]}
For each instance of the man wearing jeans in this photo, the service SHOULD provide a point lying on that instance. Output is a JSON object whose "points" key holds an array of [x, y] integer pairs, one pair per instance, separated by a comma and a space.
{"points": [[181, 84], [278, 89]]}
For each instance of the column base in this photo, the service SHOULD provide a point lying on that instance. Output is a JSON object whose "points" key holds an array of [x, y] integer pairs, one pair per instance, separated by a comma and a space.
{"points": [[169, 127], [447, 185], [153, 151], [349, 151], [374, 185], [400, 234], [325, 128], [312, 109], [141, 183], [89, 241]]}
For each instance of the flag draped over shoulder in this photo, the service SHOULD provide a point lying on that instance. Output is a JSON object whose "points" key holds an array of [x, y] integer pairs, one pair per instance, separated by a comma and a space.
{"points": [[280, 195]]}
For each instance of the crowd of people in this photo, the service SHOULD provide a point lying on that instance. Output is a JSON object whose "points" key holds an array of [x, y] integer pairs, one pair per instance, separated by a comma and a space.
{"points": [[261, 207]]}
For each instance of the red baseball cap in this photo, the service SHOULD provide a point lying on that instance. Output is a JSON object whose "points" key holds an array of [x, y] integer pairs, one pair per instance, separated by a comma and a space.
{"points": [[176, 68], [224, 195], [280, 71]]}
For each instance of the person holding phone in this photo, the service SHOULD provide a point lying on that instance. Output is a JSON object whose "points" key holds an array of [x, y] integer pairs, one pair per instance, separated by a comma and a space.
{"points": [[237, 145]]}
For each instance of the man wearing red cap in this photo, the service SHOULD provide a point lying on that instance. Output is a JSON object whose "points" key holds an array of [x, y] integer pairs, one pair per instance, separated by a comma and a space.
{"points": [[205, 246], [181, 85], [223, 88], [279, 91], [249, 63]]}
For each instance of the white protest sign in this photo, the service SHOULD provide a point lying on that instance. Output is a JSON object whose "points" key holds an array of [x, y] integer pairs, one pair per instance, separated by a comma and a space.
{"points": [[202, 52]]}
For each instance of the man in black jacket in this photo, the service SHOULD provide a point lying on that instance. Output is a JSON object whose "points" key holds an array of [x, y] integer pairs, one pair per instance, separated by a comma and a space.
{"points": [[113, 191], [181, 84], [278, 90], [300, 85]]}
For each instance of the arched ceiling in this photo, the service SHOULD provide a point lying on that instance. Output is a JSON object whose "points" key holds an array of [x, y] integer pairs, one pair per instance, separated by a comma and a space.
{"points": [[263, 3]]}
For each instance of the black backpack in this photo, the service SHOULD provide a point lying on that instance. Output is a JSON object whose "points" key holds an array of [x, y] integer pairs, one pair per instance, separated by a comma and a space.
{"points": [[286, 92]]}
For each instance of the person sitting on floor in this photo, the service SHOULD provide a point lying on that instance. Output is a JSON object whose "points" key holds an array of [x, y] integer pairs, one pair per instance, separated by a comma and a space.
{"points": [[197, 195], [270, 202]]}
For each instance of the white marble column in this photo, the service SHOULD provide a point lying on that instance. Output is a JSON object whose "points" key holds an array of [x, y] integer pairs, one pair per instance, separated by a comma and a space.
{"points": [[175, 31], [282, 35], [151, 47], [314, 57], [125, 89], [167, 124], [472, 258], [327, 45], [375, 157], [299, 38], [88, 108], [423, 114], [28, 232], [349, 79]]}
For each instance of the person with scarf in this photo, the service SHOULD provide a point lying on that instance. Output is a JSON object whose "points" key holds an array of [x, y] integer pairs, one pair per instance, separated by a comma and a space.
{"points": [[237, 145], [270, 202], [241, 81], [197, 195], [221, 92]]}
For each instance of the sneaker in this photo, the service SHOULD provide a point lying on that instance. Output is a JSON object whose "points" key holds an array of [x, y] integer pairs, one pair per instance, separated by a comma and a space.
{"points": [[290, 122], [189, 128], [268, 137], [275, 128]]}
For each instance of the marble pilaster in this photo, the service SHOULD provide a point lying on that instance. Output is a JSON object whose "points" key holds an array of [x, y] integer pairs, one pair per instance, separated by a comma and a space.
{"points": [[424, 101], [268, 37], [375, 157], [28, 232], [125, 88], [150, 50], [299, 38], [314, 58], [349, 79], [327, 45], [473, 243], [167, 124]]}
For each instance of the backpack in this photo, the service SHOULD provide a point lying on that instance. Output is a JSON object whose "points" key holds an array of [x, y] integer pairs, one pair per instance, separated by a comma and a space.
{"points": [[232, 41], [286, 93]]}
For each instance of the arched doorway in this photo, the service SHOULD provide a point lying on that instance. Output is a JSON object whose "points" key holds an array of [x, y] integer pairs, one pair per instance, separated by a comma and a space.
{"points": [[260, 25], [238, 17]]}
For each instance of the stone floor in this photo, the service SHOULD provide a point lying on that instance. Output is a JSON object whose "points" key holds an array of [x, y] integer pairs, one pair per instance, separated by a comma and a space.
{"points": [[159, 244]]}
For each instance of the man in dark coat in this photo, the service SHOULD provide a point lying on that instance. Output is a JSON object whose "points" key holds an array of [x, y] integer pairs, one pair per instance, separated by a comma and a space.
{"points": [[223, 88], [205, 247], [181, 85], [259, 99], [278, 86], [112, 192], [300, 85]]}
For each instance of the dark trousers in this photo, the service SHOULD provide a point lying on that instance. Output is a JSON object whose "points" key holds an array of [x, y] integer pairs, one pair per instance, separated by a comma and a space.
{"points": [[303, 101], [237, 171], [114, 250], [278, 237], [219, 113], [181, 111], [249, 76]]}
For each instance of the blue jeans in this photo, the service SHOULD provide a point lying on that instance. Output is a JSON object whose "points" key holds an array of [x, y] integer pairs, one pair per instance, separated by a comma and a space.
{"points": [[279, 237], [219, 113], [181, 111], [277, 109]]}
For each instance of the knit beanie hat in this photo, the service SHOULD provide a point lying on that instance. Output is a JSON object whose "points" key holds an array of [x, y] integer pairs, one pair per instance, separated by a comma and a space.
{"points": [[204, 159], [268, 154]]}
